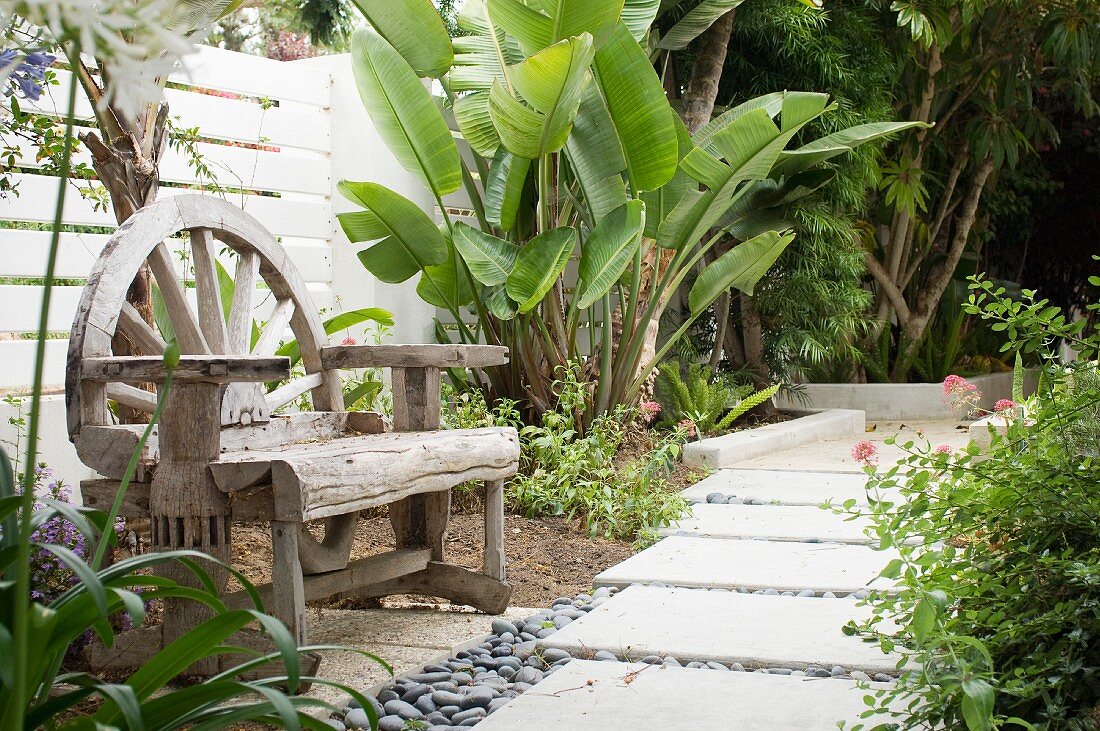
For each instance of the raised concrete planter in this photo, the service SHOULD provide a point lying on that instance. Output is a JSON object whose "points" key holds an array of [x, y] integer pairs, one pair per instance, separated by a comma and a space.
{"points": [[899, 401], [729, 449]]}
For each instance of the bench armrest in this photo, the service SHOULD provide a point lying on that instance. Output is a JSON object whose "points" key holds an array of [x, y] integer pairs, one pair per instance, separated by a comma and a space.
{"points": [[191, 368], [413, 356]]}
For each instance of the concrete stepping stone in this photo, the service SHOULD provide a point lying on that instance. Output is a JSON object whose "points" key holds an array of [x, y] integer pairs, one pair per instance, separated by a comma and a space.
{"points": [[586, 694], [782, 487], [770, 522], [755, 630], [735, 564]]}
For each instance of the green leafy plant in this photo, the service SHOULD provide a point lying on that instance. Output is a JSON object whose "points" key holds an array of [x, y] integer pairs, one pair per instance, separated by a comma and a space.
{"points": [[999, 567], [579, 155], [711, 401], [564, 473]]}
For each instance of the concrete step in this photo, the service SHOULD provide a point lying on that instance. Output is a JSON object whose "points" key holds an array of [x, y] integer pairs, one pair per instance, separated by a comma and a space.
{"points": [[736, 564], [586, 694], [754, 630], [804, 523], [781, 487]]}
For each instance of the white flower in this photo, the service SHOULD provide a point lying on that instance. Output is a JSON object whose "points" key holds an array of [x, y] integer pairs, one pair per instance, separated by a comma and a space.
{"points": [[139, 42]]}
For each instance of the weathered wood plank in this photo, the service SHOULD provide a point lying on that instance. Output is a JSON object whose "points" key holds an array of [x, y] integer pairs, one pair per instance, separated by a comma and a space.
{"points": [[288, 602], [291, 390], [361, 572], [413, 356], [208, 290], [135, 398], [274, 328], [207, 369], [354, 473], [460, 585], [188, 334], [100, 495], [138, 331], [240, 311], [493, 563]]}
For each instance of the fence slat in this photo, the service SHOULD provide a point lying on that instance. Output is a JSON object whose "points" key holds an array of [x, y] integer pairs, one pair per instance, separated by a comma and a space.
{"points": [[23, 254], [18, 359], [217, 117], [282, 216]]}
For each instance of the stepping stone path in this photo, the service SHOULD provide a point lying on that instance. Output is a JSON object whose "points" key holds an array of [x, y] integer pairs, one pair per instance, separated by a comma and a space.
{"points": [[611, 695], [771, 631], [760, 578], [779, 487], [753, 565], [802, 523]]}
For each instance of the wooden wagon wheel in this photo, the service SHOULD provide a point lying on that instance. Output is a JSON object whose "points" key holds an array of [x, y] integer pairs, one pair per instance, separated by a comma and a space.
{"points": [[103, 311]]}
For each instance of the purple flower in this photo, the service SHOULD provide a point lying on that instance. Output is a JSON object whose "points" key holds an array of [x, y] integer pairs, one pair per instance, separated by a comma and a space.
{"points": [[28, 77]]}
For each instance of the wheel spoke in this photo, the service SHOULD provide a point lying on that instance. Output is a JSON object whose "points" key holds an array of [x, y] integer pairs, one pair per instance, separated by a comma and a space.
{"points": [[134, 327], [208, 289], [274, 329], [240, 313], [188, 335], [135, 398], [286, 393]]}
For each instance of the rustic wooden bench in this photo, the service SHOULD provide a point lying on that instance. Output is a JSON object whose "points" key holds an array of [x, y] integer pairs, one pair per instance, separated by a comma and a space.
{"points": [[222, 452]]}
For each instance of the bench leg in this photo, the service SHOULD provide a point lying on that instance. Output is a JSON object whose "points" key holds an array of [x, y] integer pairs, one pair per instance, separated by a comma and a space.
{"points": [[493, 563], [421, 521], [289, 601]]}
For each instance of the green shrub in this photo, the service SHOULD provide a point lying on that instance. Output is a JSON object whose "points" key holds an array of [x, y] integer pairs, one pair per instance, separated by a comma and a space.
{"points": [[564, 473], [713, 402], [1000, 551]]}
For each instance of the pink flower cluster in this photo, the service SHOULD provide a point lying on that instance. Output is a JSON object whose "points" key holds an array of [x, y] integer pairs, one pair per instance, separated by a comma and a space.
{"points": [[943, 449], [650, 409], [688, 426], [961, 394], [1004, 405], [865, 452], [348, 341]]}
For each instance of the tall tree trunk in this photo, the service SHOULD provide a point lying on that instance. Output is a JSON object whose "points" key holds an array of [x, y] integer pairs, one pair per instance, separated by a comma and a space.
{"points": [[928, 298], [706, 73], [753, 329]]}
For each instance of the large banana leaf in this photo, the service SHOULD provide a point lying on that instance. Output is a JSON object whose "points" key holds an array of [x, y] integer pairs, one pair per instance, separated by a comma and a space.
{"points": [[639, 109], [638, 15], [750, 145], [596, 157], [479, 61], [608, 251], [533, 30], [741, 267], [490, 259], [539, 264], [412, 241], [476, 124], [504, 188], [404, 114], [772, 103], [838, 143], [660, 203], [698, 19], [574, 17], [551, 83], [446, 285], [415, 29]]}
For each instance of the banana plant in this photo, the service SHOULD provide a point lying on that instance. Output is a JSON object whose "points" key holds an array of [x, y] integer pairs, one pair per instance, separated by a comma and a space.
{"points": [[556, 125]]}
